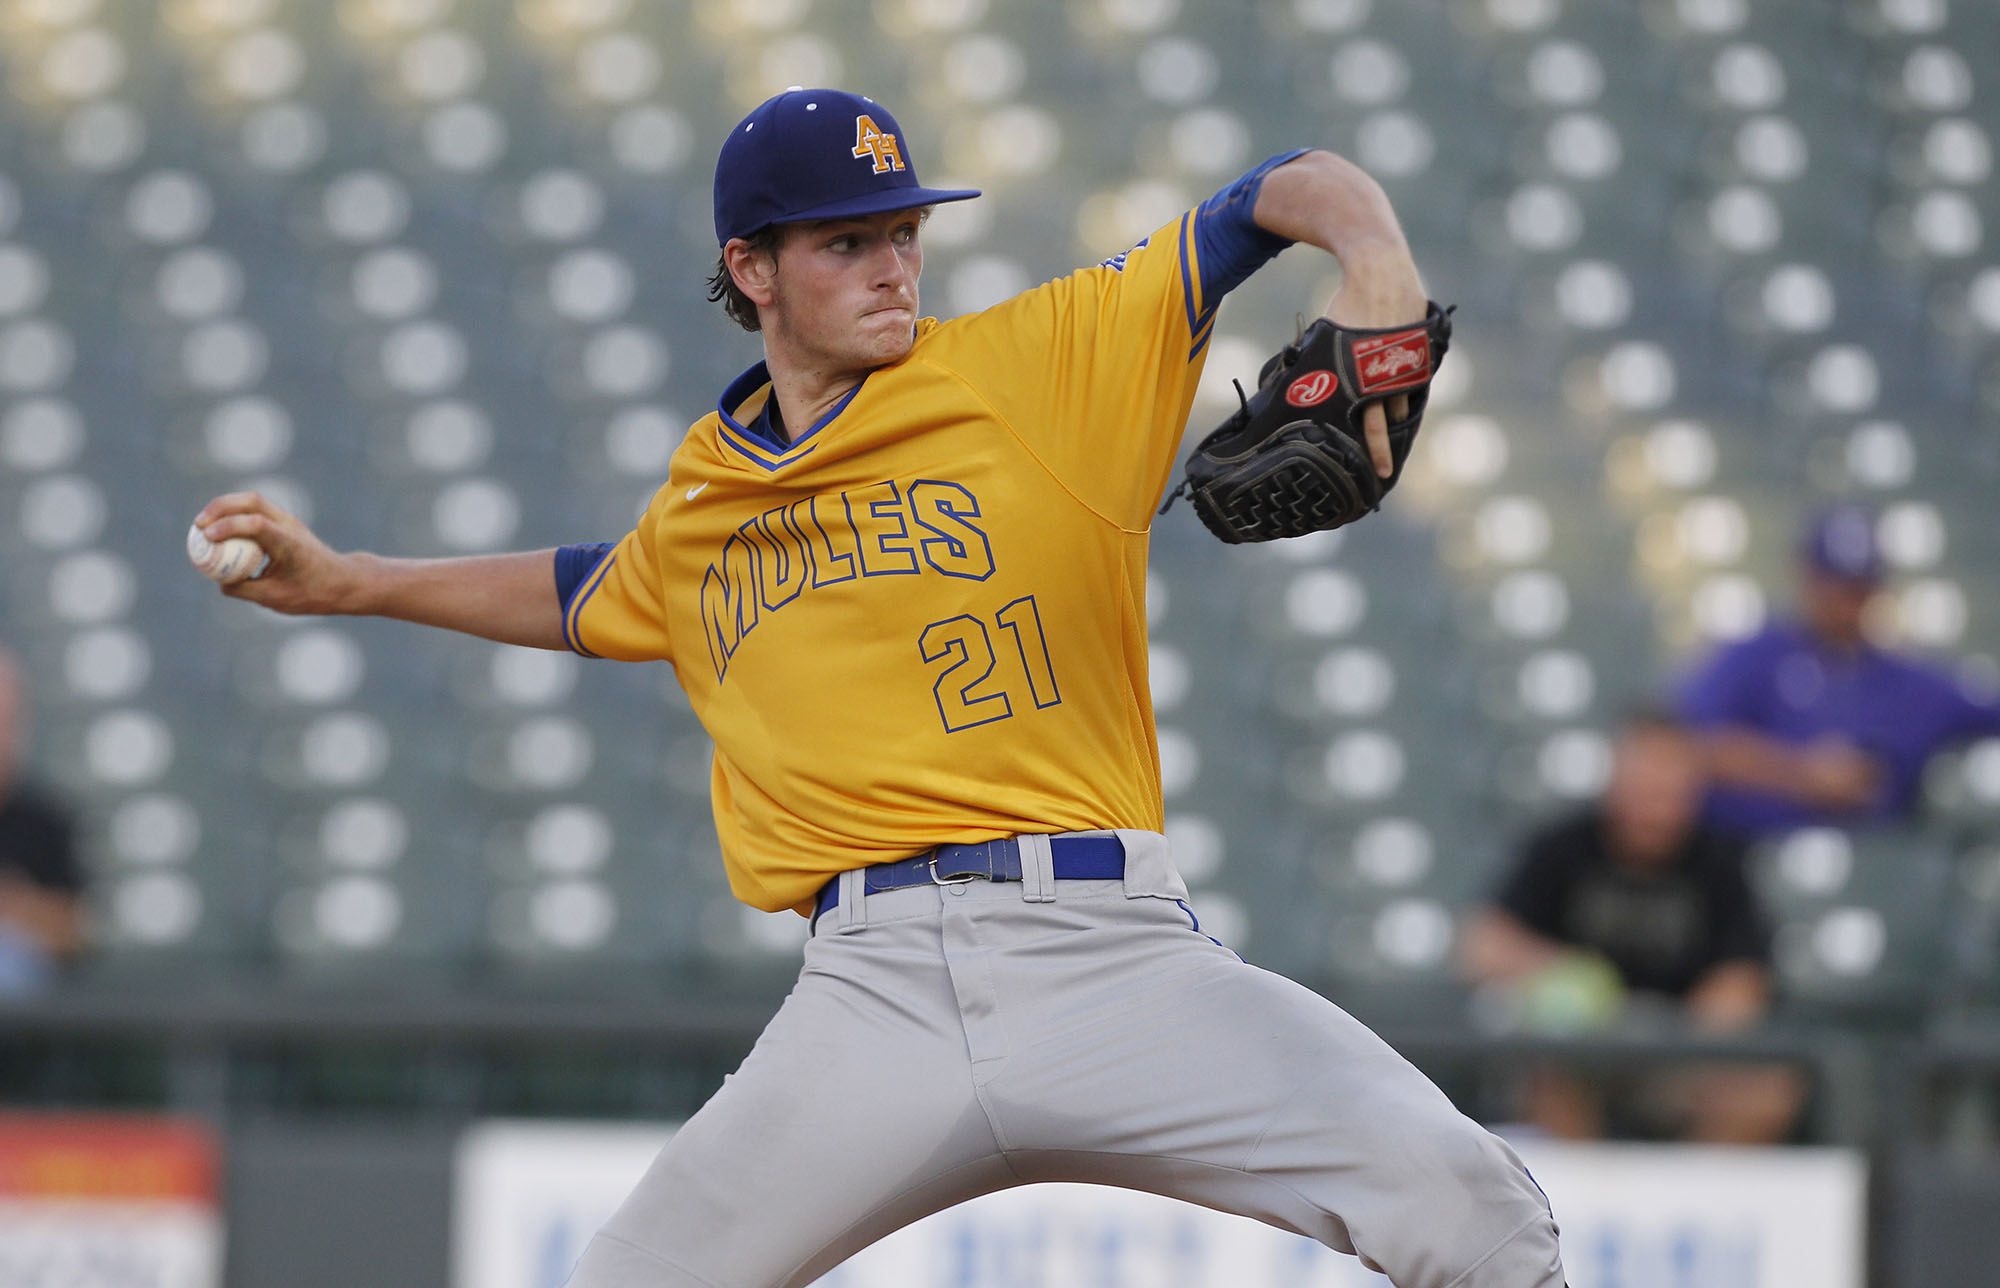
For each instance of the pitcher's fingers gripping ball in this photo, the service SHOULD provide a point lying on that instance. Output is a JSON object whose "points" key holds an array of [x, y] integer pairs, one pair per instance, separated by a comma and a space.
{"points": [[1296, 458], [228, 561], [290, 569]]}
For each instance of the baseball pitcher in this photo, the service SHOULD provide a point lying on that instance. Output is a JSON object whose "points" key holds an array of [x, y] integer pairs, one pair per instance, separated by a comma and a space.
{"points": [[900, 571]]}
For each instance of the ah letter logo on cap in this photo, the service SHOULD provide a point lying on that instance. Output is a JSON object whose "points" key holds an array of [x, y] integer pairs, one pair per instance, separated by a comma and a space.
{"points": [[870, 140]]}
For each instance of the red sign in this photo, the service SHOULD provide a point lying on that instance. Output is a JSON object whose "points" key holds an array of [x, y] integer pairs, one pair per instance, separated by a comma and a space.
{"points": [[73, 1156]]}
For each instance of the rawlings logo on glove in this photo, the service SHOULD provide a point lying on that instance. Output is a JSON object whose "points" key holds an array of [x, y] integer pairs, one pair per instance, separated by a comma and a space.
{"points": [[1312, 388], [1383, 359], [1294, 459]]}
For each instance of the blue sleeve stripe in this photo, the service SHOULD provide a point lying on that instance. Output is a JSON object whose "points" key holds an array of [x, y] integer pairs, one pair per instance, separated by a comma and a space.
{"points": [[1201, 337], [1190, 282], [1201, 302], [573, 615], [574, 564], [1229, 244]]}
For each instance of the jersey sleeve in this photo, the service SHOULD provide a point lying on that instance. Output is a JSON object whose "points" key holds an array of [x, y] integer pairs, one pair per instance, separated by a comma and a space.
{"points": [[612, 595], [1095, 372]]}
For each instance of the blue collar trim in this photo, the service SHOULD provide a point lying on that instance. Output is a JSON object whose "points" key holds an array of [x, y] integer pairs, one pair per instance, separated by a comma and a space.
{"points": [[755, 441], [765, 463]]}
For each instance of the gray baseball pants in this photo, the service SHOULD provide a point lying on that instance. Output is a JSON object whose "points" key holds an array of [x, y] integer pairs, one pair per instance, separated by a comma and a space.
{"points": [[943, 1042]]}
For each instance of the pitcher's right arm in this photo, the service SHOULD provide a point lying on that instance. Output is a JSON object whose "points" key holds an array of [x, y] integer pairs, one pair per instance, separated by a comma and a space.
{"points": [[510, 598]]}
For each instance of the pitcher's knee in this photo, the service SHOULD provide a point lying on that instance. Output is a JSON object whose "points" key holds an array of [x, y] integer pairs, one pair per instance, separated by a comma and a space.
{"points": [[1493, 1222], [611, 1262], [1420, 1190], [1484, 1172]]}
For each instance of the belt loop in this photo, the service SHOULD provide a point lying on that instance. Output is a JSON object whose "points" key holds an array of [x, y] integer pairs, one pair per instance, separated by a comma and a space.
{"points": [[1149, 866], [851, 913], [1038, 869]]}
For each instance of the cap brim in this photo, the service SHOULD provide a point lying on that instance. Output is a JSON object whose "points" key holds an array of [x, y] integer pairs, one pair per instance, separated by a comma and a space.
{"points": [[875, 203]]}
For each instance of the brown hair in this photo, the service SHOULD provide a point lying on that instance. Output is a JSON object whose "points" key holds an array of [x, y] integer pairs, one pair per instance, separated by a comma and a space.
{"points": [[722, 287], [765, 241]]}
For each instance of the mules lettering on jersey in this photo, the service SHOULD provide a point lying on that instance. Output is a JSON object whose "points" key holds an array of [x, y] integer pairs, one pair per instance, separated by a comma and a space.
{"points": [[887, 529]]}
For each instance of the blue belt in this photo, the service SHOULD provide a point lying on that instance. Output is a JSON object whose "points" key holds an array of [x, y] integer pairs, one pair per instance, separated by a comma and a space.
{"points": [[1076, 858]]}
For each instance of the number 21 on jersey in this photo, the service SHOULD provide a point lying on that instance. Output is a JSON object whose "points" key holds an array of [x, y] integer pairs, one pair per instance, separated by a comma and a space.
{"points": [[968, 693]]}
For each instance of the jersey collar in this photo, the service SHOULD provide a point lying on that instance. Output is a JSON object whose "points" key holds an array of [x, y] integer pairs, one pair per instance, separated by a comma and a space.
{"points": [[751, 440]]}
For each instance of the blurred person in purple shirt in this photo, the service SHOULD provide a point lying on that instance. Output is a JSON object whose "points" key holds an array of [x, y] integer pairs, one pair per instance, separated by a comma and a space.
{"points": [[1808, 722]]}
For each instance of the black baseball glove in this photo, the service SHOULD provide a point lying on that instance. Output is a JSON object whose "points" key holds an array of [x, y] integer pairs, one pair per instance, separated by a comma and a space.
{"points": [[1294, 459]]}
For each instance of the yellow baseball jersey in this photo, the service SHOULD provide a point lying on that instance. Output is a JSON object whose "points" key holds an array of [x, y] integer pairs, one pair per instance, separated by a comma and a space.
{"points": [[923, 620]]}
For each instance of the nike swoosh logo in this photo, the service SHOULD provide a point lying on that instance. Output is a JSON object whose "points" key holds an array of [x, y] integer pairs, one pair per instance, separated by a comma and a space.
{"points": [[695, 491]]}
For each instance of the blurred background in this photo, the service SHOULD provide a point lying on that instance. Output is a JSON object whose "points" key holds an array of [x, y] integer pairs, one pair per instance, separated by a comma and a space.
{"points": [[429, 273]]}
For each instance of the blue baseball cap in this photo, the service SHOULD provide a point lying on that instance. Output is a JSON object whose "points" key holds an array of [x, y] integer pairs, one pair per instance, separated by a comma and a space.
{"points": [[1841, 543], [816, 154]]}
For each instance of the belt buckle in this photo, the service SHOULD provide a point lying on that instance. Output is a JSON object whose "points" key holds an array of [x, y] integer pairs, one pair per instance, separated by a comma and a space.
{"points": [[963, 878]]}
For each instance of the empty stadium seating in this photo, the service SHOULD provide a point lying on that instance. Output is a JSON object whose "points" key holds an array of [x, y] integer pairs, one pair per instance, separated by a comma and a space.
{"points": [[429, 272]]}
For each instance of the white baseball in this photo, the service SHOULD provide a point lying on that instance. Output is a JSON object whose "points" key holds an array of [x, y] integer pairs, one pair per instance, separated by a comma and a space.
{"points": [[231, 559]]}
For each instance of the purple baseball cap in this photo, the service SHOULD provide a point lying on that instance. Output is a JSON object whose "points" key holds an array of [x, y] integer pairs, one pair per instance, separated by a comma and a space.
{"points": [[1841, 543], [816, 154]]}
